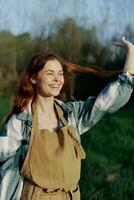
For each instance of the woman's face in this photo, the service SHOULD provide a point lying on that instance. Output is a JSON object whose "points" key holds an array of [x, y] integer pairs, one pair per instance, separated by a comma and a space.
{"points": [[50, 79]]}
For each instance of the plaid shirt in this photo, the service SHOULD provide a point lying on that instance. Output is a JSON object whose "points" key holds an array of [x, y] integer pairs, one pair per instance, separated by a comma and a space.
{"points": [[15, 135]]}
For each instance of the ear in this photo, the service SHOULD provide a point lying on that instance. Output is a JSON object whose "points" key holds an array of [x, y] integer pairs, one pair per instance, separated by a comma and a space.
{"points": [[33, 81]]}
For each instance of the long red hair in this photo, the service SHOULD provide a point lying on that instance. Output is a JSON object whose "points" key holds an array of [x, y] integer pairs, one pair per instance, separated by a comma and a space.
{"points": [[27, 92]]}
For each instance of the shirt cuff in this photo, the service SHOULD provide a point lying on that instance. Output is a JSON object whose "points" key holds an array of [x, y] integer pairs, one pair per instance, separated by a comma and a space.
{"points": [[126, 77]]}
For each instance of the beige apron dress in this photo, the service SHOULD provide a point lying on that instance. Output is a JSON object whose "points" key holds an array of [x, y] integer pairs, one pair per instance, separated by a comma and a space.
{"points": [[52, 166]]}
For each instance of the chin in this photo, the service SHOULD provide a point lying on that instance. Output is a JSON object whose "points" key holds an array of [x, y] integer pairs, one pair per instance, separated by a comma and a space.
{"points": [[54, 94]]}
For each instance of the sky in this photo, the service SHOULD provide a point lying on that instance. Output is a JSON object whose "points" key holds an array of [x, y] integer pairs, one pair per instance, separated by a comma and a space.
{"points": [[19, 16]]}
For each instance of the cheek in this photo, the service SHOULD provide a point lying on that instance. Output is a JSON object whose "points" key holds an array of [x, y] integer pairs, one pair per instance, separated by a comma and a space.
{"points": [[63, 80], [41, 83], [43, 80], [62, 83]]}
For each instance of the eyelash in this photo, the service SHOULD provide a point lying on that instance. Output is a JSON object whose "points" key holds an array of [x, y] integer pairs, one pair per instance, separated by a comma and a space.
{"points": [[52, 73]]}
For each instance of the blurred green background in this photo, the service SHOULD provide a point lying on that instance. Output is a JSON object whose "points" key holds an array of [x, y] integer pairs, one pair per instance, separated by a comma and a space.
{"points": [[82, 33]]}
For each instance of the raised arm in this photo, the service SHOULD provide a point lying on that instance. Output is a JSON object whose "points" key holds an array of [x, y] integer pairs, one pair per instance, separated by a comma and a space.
{"points": [[112, 98], [129, 64]]}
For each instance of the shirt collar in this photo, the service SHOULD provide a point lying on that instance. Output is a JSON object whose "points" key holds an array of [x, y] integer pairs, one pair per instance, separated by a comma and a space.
{"points": [[26, 115]]}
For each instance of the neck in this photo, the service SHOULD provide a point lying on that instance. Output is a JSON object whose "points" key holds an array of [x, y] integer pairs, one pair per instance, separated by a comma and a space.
{"points": [[44, 103]]}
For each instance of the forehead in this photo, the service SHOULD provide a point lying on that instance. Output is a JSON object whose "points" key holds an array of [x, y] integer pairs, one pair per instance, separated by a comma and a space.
{"points": [[53, 65]]}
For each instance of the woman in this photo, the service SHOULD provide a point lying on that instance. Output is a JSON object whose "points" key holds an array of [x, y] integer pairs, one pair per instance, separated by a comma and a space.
{"points": [[40, 150]]}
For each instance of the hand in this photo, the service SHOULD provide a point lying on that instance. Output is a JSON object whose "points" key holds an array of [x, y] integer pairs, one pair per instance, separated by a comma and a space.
{"points": [[129, 64], [124, 43]]}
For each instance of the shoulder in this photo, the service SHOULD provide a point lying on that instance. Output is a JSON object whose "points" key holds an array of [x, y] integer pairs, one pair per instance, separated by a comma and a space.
{"points": [[76, 106], [15, 125], [11, 128]]}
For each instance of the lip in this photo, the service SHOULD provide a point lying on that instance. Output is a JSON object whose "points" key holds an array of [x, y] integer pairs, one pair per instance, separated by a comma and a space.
{"points": [[54, 85]]}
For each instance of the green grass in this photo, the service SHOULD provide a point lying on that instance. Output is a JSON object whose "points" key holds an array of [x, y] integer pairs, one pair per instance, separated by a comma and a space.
{"points": [[108, 171]]}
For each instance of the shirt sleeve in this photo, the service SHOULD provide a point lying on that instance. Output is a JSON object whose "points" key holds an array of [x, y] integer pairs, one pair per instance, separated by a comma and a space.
{"points": [[10, 138], [112, 97]]}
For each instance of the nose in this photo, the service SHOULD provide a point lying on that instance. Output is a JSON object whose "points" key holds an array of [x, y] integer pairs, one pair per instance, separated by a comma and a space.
{"points": [[56, 78]]}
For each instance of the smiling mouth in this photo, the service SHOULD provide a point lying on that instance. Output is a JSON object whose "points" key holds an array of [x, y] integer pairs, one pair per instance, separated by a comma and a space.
{"points": [[55, 86]]}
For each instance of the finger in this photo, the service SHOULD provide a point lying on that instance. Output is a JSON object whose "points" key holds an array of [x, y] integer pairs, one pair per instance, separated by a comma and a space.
{"points": [[126, 42], [119, 44]]}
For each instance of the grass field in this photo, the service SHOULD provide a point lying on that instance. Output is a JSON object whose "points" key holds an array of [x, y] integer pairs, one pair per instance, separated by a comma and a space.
{"points": [[108, 170]]}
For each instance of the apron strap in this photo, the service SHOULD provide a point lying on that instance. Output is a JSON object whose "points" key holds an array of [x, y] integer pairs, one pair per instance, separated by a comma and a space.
{"points": [[60, 114], [78, 147], [72, 132]]}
